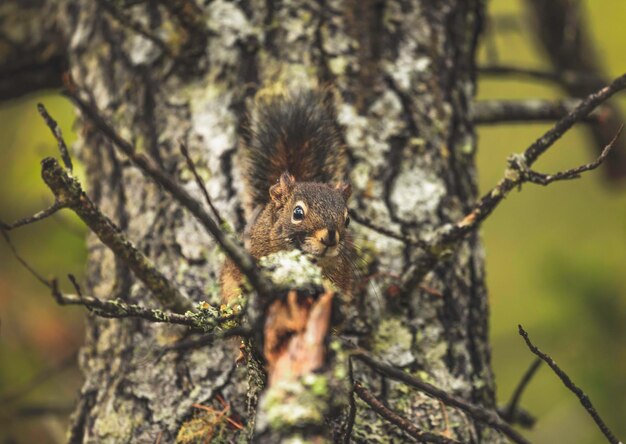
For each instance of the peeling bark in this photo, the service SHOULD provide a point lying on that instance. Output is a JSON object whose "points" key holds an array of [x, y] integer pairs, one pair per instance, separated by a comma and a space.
{"points": [[403, 73]]}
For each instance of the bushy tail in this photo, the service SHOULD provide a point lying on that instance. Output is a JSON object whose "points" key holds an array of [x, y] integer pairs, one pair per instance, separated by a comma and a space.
{"points": [[294, 132]]}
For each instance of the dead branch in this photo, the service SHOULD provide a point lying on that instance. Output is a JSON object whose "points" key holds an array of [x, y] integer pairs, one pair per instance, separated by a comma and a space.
{"points": [[518, 173], [404, 424], [447, 236], [560, 77], [561, 30], [584, 399], [512, 413], [200, 183], [69, 193], [58, 135], [21, 260], [494, 112], [206, 319], [41, 215], [481, 414]]}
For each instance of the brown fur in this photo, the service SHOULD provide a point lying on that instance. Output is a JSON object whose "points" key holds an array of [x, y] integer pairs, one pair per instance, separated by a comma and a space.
{"points": [[295, 158]]}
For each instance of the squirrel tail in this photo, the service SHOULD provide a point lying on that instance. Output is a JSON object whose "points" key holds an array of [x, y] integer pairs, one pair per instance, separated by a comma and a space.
{"points": [[293, 132]]}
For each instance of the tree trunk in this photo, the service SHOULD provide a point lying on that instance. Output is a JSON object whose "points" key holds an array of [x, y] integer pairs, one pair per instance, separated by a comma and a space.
{"points": [[163, 72]]}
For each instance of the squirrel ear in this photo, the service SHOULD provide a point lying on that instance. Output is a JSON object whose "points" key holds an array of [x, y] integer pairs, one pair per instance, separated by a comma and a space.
{"points": [[279, 192], [345, 189]]}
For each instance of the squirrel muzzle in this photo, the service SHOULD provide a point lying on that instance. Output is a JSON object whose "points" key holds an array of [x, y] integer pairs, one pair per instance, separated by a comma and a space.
{"points": [[324, 243]]}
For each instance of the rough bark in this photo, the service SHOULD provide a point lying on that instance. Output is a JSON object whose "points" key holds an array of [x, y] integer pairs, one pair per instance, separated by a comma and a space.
{"points": [[404, 76]]}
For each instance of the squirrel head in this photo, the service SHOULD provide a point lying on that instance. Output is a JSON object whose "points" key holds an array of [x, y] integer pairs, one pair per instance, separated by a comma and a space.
{"points": [[312, 216]]}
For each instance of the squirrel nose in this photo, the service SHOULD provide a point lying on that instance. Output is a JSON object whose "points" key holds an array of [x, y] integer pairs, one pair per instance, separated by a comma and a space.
{"points": [[331, 239]]}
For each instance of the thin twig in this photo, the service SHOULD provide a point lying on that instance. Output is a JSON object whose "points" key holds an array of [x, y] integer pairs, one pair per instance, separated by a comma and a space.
{"points": [[510, 412], [366, 222], [200, 183], [69, 192], [58, 135], [540, 146], [565, 77], [481, 414], [574, 173], [584, 399], [118, 309], [232, 248], [22, 261], [404, 424], [56, 206], [445, 238], [494, 112], [518, 173]]}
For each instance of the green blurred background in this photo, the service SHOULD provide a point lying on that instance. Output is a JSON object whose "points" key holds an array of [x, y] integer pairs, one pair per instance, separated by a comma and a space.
{"points": [[556, 260]]}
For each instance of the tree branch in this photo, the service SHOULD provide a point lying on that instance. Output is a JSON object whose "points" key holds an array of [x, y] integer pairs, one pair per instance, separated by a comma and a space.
{"points": [[481, 414], [493, 112], [511, 412], [560, 77], [200, 183], [69, 193], [584, 399], [58, 135], [447, 236], [404, 424], [205, 320], [561, 30], [41, 215]]}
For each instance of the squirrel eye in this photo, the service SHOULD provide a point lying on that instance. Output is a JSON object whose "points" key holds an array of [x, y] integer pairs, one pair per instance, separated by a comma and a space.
{"points": [[298, 214], [347, 221]]}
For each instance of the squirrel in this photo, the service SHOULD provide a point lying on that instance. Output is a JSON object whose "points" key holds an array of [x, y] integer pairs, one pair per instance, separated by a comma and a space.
{"points": [[295, 195]]}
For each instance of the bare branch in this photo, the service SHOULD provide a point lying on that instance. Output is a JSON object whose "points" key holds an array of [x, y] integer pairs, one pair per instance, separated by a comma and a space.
{"points": [[21, 260], [446, 237], [574, 173], [511, 412], [404, 424], [206, 319], [561, 30], [518, 173], [481, 414], [52, 209], [584, 399], [362, 220], [562, 77], [200, 183], [58, 135], [69, 193], [233, 249], [542, 144], [493, 112]]}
